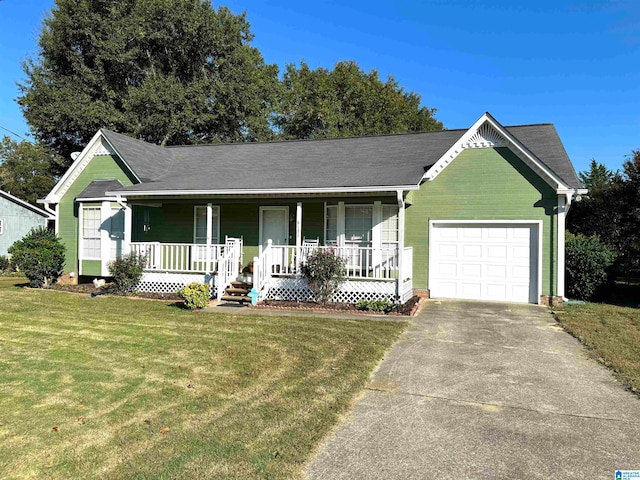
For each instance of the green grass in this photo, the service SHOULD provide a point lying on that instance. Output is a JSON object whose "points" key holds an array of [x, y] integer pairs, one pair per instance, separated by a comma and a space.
{"points": [[242, 396], [611, 333]]}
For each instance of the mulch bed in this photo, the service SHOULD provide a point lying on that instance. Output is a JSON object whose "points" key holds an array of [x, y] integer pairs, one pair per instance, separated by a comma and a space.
{"points": [[407, 309], [107, 289]]}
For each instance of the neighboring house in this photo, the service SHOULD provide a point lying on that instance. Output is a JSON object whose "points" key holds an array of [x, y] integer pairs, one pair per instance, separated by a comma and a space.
{"points": [[476, 213], [17, 217]]}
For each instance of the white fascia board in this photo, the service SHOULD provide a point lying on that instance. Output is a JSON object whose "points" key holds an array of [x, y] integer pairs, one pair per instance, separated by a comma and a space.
{"points": [[24, 204], [124, 160], [97, 199], [55, 194], [518, 148], [156, 193]]}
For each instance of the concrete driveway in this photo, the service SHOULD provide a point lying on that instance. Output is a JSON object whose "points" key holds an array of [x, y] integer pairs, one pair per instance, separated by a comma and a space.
{"points": [[486, 390]]}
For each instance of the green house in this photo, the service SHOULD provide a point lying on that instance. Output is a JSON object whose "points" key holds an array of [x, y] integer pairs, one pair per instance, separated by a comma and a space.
{"points": [[17, 218], [476, 213]]}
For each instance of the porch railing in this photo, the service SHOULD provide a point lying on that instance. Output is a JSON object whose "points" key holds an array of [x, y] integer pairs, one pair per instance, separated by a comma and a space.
{"points": [[360, 262], [179, 257]]}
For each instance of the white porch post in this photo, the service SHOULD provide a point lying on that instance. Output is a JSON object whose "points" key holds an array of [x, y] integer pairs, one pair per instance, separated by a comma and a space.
{"points": [[563, 205], [209, 237], [128, 227], [340, 226], [298, 232], [376, 237], [401, 205], [105, 241]]}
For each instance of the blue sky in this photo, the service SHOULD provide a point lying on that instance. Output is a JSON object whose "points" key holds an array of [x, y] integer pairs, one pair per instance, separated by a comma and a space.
{"points": [[572, 63]]}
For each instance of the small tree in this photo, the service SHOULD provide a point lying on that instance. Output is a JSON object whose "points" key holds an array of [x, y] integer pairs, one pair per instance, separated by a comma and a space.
{"points": [[40, 256], [325, 272], [127, 271], [587, 261]]}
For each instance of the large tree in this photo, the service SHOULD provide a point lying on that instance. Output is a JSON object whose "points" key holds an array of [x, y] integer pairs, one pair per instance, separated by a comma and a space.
{"points": [[347, 101], [27, 170], [165, 71], [611, 210]]}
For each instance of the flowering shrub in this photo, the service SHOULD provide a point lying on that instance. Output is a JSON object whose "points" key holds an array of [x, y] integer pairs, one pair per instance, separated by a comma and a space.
{"points": [[195, 295], [127, 271], [325, 272]]}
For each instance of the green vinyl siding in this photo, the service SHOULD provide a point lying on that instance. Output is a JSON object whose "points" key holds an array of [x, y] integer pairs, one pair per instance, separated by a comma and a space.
{"points": [[482, 184], [100, 167], [92, 268], [173, 221]]}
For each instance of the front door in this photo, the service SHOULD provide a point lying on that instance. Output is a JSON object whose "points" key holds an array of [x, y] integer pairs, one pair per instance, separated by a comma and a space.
{"points": [[274, 226]]}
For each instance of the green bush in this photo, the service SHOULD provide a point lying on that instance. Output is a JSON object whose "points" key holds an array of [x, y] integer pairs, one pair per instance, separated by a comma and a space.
{"points": [[587, 261], [5, 264], [40, 256], [375, 305], [127, 271], [324, 271], [195, 295]]}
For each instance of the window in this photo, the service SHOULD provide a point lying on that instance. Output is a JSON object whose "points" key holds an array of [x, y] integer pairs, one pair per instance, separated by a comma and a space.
{"points": [[331, 225], [200, 224], [389, 226], [358, 223], [91, 233]]}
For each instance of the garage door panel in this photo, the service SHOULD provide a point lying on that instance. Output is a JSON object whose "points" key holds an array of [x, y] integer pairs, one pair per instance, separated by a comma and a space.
{"points": [[497, 271], [484, 261]]}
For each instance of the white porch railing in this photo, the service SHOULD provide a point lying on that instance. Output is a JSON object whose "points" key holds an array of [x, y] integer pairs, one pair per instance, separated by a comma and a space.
{"points": [[228, 264], [179, 257], [360, 262]]}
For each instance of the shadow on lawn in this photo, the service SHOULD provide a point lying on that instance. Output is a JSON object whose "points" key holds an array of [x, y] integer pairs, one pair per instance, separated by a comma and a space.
{"points": [[623, 293]]}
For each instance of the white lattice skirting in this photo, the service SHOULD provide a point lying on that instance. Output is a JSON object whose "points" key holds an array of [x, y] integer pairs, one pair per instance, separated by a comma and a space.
{"points": [[157, 282], [297, 290]]}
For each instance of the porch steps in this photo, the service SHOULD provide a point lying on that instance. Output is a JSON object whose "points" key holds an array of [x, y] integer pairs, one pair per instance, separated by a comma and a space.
{"points": [[238, 292]]}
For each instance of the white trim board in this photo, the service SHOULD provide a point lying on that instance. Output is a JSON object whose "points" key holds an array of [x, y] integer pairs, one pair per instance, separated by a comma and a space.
{"points": [[487, 132], [537, 223]]}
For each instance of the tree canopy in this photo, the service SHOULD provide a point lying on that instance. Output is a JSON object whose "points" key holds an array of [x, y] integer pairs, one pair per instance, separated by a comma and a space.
{"points": [[611, 210], [347, 101], [165, 71], [27, 170]]}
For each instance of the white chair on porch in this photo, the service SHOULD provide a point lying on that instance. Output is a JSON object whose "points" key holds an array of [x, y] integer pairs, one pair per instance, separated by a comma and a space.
{"points": [[309, 245]]}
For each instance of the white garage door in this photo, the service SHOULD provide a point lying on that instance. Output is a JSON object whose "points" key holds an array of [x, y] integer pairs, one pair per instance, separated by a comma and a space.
{"points": [[483, 261]]}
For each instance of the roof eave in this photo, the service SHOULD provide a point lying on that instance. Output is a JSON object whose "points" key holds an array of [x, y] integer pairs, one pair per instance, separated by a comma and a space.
{"points": [[288, 191]]}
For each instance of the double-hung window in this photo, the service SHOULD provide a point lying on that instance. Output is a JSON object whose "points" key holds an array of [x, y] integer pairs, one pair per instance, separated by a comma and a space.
{"points": [[200, 225], [91, 233]]}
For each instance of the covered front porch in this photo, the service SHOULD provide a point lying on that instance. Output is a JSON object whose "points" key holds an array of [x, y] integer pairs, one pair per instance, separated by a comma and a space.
{"points": [[265, 241]]}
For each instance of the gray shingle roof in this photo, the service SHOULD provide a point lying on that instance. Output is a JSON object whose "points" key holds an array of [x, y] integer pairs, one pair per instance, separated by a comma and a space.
{"points": [[147, 160], [378, 161], [98, 188]]}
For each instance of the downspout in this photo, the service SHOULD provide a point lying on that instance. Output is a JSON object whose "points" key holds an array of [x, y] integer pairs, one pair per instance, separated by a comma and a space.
{"points": [[400, 281]]}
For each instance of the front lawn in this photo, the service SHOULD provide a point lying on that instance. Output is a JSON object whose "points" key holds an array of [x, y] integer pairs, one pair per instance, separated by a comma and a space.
{"points": [[611, 333], [124, 388]]}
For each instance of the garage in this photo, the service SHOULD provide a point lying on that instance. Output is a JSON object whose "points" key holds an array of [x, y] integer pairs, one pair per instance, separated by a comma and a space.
{"points": [[485, 260]]}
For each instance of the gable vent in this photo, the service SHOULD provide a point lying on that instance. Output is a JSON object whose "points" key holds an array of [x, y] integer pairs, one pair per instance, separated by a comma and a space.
{"points": [[485, 137]]}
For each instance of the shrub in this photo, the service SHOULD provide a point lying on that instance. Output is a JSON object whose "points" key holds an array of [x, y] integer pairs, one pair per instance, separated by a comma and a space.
{"points": [[195, 295], [587, 261], [40, 256], [127, 271], [5, 264], [375, 305], [324, 272]]}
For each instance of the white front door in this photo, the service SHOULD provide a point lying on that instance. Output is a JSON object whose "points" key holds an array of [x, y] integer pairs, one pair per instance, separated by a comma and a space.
{"points": [[274, 226], [484, 261]]}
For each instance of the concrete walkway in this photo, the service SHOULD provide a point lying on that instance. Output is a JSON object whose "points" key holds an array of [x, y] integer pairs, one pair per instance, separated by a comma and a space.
{"points": [[486, 390]]}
